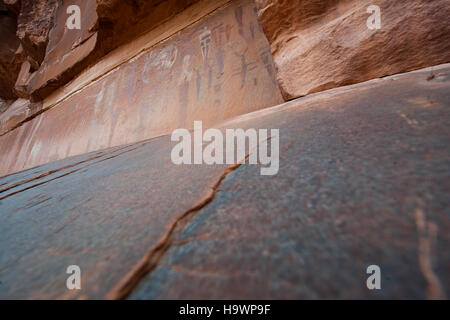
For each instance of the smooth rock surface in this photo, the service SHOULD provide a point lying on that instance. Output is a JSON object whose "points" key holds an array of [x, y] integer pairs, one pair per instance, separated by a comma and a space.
{"points": [[364, 179], [318, 45]]}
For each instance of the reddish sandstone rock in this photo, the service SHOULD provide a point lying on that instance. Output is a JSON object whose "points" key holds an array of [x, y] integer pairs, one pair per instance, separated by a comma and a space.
{"points": [[106, 25], [319, 45], [122, 20], [9, 44], [59, 54], [66, 48], [14, 114], [34, 22], [212, 70]]}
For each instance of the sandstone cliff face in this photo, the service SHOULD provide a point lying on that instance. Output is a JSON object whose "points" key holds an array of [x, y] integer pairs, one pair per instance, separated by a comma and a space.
{"points": [[318, 45], [363, 170], [24, 27], [66, 49], [39, 54], [123, 20]]}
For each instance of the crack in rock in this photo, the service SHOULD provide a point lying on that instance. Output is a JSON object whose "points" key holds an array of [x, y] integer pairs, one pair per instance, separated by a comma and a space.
{"points": [[152, 258]]}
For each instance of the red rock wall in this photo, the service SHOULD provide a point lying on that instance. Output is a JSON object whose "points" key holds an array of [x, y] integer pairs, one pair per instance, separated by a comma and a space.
{"points": [[66, 47], [106, 25], [215, 69], [318, 45], [35, 31]]}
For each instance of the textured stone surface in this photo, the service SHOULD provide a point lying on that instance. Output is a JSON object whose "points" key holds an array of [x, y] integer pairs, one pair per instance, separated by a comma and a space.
{"points": [[66, 48], [319, 45], [23, 78], [215, 69], [9, 65], [364, 179], [34, 23], [60, 54], [122, 20], [106, 25], [72, 225]]}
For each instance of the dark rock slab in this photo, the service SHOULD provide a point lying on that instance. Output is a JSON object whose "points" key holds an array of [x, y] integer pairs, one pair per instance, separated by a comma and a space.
{"points": [[363, 179], [101, 211]]}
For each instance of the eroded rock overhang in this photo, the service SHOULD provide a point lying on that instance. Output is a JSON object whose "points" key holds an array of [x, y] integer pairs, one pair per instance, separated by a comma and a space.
{"points": [[211, 62]]}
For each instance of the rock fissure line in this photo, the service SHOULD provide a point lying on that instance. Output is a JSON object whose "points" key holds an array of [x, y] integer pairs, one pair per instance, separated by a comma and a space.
{"points": [[151, 260]]}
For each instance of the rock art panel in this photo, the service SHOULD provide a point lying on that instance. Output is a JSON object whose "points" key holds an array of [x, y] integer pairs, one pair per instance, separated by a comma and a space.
{"points": [[213, 70]]}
